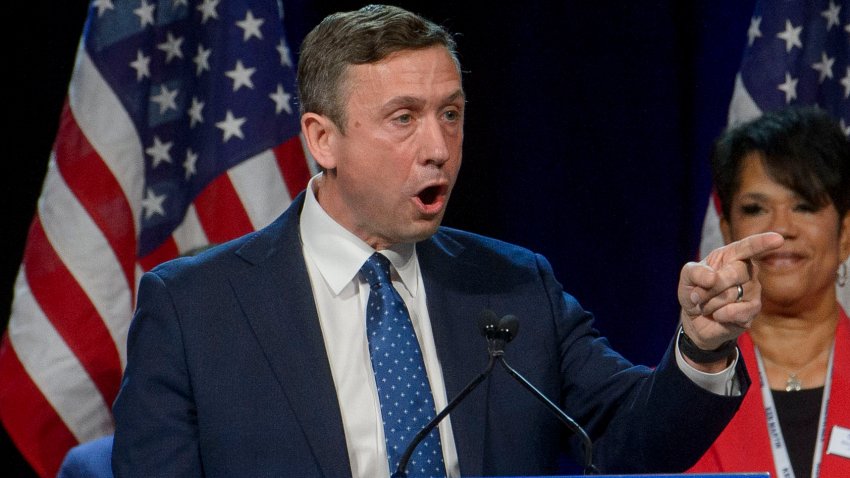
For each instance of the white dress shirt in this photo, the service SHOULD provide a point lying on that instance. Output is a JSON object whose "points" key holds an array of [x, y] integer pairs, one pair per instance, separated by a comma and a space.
{"points": [[334, 257]]}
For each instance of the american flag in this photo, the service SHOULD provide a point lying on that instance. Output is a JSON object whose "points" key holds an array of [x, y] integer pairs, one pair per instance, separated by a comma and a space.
{"points": [[179, 130], [797, 53]]}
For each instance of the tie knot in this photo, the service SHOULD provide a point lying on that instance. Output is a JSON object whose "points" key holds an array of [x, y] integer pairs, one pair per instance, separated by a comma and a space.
{"points": [[376, 270]]}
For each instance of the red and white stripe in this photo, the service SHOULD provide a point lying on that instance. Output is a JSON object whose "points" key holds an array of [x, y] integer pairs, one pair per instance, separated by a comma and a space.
{"points": [[64, 351]]}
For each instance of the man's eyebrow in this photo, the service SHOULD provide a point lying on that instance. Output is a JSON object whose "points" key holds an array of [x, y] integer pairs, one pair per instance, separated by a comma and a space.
{"points": [[403, 102], [407, 101], [459, 94]]}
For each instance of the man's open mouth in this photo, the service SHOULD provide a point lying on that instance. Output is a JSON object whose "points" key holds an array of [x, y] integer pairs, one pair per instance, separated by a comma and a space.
{"points": [[431, 194]]}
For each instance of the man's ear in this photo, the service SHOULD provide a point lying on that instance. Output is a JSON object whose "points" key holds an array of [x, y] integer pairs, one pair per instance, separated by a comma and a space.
{"points": [[319, 132]]}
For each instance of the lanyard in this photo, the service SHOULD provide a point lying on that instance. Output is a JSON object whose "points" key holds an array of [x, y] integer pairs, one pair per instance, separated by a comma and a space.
{"points": [[780, 452]]}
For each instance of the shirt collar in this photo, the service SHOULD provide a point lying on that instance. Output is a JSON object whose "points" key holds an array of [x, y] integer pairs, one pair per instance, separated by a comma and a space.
{"points": [[339, 254]]}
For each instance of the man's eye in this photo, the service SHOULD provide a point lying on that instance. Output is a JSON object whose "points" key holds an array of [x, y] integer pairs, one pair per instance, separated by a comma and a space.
{"points": [[452, 115], [405, 118]]}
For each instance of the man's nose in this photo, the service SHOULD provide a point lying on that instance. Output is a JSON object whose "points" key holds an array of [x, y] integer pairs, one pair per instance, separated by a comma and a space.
{"points": [[434, 147]]}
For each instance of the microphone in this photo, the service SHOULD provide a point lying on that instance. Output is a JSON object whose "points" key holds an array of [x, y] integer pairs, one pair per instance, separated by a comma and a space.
{"points": [[498, 333]]}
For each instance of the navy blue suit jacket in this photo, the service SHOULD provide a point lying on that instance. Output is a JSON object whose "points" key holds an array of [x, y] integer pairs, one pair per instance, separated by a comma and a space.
{"points": [[227, 373]]}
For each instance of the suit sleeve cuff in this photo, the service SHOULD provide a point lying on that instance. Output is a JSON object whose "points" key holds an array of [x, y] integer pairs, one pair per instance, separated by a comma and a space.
{"points": [[724, 382]]}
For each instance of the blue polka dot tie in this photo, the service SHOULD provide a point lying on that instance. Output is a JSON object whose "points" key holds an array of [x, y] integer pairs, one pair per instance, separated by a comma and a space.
{"points": [[406, 400]]}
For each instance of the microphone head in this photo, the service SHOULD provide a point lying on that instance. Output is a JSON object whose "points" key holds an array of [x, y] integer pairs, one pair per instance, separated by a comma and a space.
{"points": [[488, 323], [508, 327]]}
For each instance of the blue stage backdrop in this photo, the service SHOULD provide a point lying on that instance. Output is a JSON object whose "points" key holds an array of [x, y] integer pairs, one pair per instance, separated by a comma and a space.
{"points": [[587, 138]]}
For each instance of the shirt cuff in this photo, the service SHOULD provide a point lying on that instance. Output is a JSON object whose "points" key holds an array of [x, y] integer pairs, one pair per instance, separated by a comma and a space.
{"points": [[724, 382]]}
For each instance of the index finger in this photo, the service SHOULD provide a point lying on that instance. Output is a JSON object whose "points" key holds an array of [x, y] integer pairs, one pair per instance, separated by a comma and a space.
{"points": [[751, 246]]}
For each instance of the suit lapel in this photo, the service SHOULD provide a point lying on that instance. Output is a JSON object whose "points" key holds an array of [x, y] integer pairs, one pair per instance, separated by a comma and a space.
{"points": [[460, 347], [277, 300]]}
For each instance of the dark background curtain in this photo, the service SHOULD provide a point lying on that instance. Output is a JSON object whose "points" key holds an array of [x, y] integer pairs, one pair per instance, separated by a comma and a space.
{"points": [[588, 131]]}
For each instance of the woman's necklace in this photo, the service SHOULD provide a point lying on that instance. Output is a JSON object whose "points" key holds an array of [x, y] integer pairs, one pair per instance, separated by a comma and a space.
{"points": [[778, 448], [793, 383]]}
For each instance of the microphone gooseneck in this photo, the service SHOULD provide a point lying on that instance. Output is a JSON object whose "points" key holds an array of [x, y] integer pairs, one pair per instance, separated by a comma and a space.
{"points": [[589, 468], [499, 331], [504, 330]]}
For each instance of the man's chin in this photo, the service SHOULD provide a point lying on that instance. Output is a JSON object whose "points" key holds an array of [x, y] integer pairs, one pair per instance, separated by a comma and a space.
{"points": [[424, 230]]}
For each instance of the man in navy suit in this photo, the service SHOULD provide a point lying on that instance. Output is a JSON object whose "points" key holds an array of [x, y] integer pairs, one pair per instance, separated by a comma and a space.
{"points": [[251, 359]]}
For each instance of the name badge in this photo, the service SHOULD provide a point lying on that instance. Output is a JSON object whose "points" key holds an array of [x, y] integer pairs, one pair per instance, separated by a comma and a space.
{"points": [[839, 442]]}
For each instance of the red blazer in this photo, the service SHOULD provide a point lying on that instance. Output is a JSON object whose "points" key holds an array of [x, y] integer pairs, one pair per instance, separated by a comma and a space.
{"points": [[744, 445]]}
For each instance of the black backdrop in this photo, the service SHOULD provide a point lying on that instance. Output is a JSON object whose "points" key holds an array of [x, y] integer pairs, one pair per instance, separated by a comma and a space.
{"points": [[588, 130]]}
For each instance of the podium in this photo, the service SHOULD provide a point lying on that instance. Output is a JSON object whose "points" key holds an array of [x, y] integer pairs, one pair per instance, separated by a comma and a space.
{"points": [[651, 475]]}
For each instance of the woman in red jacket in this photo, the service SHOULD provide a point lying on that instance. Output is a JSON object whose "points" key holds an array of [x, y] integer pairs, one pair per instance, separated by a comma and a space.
{"points": [[789, 172]]}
